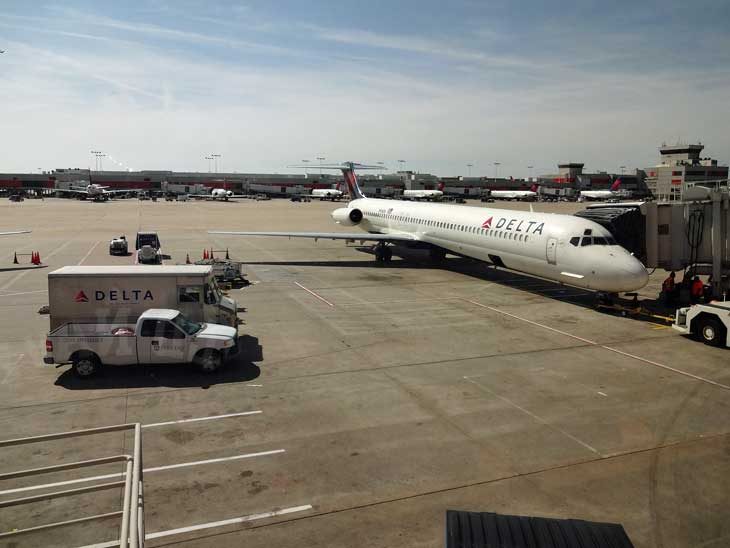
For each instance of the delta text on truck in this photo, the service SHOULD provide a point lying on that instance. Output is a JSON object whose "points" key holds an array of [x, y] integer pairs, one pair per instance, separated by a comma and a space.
{"points": [[121, 294], [159, 336]]}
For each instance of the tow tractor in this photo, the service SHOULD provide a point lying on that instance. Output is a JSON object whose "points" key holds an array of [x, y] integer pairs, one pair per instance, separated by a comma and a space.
{"points": [[709, 322]]}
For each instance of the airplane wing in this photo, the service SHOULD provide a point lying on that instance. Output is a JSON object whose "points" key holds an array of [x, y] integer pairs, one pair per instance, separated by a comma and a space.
{"points": [[357, 236], [115, 191], [75, 191], [15, 232]]}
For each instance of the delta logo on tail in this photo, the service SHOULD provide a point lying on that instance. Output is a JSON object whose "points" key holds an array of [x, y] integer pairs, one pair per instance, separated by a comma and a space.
{"points": [[81, 297], [616, 184]]}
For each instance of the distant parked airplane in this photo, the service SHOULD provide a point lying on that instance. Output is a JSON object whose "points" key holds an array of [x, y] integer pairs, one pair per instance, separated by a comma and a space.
{"points": [[613, 192], [423, 194], [95, 191]]}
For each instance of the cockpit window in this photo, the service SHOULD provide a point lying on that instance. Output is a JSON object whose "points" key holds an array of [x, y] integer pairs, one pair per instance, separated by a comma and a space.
{"points": [[599, 240], [587, 240], [587, 232], [575, 241]]}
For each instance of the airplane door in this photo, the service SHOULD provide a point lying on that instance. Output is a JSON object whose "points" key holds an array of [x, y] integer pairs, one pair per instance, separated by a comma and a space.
{"points": [[551, 250]]}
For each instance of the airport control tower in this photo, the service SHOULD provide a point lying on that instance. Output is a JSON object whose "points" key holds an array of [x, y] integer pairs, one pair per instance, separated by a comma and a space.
{"points": [[681, 164]]}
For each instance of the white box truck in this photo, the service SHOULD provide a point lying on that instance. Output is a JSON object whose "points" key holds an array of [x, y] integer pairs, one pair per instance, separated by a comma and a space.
{"points": [[121, 294]]}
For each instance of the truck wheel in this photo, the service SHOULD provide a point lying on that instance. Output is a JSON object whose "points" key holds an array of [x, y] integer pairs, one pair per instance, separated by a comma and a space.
{"points": [[208, 360], [86, 364], [711, 331]]}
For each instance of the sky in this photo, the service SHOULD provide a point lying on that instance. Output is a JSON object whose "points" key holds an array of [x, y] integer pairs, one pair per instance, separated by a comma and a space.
{"points": [[161, 84]]}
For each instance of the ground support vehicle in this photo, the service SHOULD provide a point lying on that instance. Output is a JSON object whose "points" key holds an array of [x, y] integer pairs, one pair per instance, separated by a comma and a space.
{"points": [[148, 248], [119, 246], [160, 336], [709, 322], [122, 293]]}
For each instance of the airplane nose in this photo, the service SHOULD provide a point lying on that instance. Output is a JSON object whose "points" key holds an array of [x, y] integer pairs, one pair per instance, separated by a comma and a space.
{"points": [[633, 274]]}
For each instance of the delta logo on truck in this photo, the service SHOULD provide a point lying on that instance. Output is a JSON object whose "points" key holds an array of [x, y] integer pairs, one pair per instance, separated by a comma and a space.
{"points": [[115, 295]]}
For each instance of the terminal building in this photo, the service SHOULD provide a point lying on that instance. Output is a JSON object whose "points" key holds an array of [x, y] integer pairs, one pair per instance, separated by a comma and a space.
{"points": [[679, 166]]}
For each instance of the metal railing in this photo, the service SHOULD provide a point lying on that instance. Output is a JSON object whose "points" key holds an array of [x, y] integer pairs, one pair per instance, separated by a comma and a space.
{"points": [[132, 532]]}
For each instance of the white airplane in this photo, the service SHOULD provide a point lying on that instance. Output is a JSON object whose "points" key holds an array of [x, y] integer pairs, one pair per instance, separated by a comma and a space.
{"points": [[327, 193], [564, 248], [95, 191], [613, 192], [221, 194], [423, 194], [524, 195], [15, 232]]}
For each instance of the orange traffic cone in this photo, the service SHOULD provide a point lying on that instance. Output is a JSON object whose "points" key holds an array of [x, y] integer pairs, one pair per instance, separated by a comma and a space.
{"points": [[187, 258], [15, 257], [227, 257], [37, 257], [32, 257], [205, 254], [211, 254]]}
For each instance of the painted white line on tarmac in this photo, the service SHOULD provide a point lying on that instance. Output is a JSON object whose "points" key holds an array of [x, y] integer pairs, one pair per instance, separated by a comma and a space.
{"points": [[610, 349], [200, 419], [668, 368], [213, 461], [24, 293], [320, 297], [413, 301], [210, 525], [531, 414], [232, 521], [93, 247], [531, 322], [154, 469]]}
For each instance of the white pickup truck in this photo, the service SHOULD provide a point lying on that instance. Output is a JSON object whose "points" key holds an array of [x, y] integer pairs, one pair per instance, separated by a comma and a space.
{"points": [[709, 322], [160, 336]]}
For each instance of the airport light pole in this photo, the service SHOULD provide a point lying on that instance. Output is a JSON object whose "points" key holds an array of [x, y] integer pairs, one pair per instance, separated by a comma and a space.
{"points": [[209, 158], [305, 162], [215, 158], [622, 168], [469, 166], [98, 165], [321, 159], [496, 169], [529, 168], [402, 165]]}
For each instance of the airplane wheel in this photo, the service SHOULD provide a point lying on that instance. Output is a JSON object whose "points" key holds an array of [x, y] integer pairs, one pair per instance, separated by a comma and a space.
{"points": [[379, 254], [711, 331], [387, 254]]}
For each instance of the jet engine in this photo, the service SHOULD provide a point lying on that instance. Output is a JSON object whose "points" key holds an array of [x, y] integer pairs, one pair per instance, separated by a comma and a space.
{"points": [[346, 216]]}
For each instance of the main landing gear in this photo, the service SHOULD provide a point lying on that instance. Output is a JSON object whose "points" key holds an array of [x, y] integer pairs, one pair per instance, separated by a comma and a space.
{"points": [[437, 254], [383, 253]]}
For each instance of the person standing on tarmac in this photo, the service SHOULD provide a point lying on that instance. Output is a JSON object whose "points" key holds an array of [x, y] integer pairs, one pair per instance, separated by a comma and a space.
{"points": [[697, 290], [670, 289]]}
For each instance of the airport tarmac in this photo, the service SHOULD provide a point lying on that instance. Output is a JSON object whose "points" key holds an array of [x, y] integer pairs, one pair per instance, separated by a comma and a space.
{"points": [[367, 400]]}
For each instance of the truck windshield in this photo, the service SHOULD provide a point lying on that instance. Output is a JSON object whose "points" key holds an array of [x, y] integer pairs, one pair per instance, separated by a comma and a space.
{"points": [[148, 239], [191, 328]]}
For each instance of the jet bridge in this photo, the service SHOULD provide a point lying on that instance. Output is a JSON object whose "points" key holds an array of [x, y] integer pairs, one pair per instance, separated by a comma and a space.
{"points": [[690, 235]]}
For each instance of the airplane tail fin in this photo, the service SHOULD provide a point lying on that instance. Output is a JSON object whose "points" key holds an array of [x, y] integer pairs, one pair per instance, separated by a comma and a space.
{"points": [[441, 186], [616, 184], [348, 171], [533, 188], [353, 187]]}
